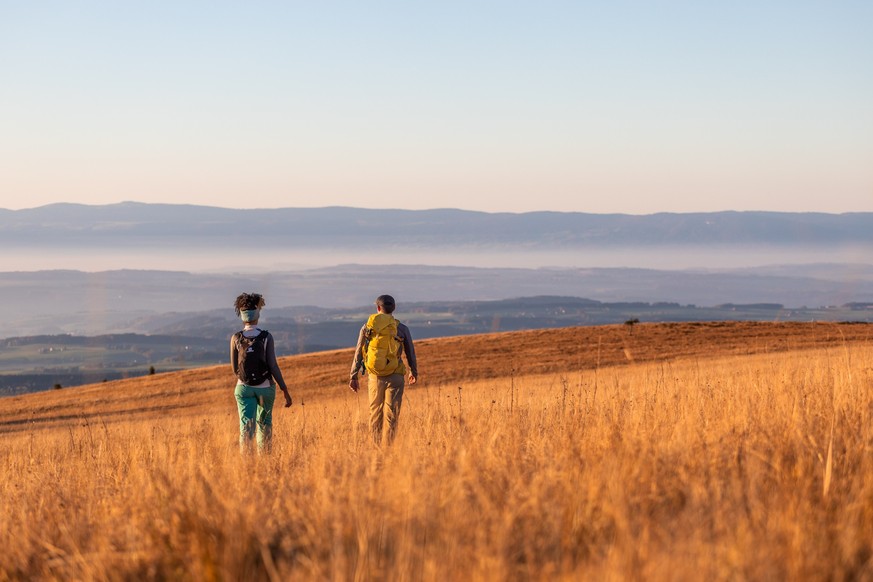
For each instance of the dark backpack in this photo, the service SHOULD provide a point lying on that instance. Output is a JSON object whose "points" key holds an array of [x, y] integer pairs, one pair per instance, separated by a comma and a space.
{"points": [[251, 358]]}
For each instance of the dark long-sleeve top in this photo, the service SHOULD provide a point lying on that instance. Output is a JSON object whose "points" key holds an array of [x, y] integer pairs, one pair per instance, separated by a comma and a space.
{"points": [[270, 349], [406, 347]]}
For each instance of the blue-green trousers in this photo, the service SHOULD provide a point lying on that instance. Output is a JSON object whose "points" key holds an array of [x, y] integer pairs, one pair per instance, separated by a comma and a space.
{"points": [[255, 412]]}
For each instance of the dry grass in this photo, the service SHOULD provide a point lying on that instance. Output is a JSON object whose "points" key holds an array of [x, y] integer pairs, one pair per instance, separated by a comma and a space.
{"points": [[732, 466], [444, 362]]}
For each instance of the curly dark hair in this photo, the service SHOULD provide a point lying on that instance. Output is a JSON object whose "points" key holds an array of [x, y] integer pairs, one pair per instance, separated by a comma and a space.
{"points": [[248, 301]]}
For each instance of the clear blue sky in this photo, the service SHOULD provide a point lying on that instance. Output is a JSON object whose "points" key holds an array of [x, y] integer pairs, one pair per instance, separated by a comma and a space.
{"points": [[631, 107]]}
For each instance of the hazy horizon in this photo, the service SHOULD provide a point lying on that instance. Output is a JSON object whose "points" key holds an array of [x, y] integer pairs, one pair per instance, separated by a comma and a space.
{"points": [[223, 206], [212, 259]]}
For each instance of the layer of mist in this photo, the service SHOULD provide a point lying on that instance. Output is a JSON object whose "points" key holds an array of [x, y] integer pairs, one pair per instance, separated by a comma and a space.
{"points": [[194, 256]]}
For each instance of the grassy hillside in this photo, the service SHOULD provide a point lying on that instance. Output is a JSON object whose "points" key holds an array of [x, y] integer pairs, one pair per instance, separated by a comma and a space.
{"points": [[194, 340], [321, 376], [681, 451]]}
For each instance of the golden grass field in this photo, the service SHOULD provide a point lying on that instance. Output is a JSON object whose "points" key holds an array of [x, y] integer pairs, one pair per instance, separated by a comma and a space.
{"points": [[721, 451]]}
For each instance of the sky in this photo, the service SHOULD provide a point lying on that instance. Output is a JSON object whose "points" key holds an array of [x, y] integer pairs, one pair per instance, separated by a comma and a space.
{"points": [[498, 106]]}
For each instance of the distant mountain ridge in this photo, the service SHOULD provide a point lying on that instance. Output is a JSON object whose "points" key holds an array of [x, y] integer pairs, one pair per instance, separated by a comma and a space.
{"points": [[328, 226]]}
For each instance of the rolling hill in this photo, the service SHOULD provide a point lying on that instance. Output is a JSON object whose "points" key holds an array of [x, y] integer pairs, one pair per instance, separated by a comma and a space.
{"points": [[443, 362], [687, 451]]}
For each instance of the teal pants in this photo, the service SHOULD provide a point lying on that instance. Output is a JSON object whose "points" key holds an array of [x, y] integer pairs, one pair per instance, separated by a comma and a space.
{"points": [[255, 407]]}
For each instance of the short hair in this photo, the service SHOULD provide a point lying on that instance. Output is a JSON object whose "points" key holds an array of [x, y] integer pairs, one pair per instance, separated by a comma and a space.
{"points": [[386, 302], [246, 301]]}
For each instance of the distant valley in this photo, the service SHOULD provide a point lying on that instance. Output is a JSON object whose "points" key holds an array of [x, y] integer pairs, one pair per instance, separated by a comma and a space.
{"points": [[133, 301], [99, 292]]}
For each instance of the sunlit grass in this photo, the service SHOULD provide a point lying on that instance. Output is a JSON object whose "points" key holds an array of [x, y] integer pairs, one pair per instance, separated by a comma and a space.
{"points": [[742, 467]]}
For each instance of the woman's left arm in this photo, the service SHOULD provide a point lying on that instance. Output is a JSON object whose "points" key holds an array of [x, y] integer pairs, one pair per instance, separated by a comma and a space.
{"points": [[275, 371]]}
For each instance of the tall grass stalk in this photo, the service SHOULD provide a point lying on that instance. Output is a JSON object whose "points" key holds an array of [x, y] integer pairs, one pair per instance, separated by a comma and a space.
{"points": [[699, 469]]}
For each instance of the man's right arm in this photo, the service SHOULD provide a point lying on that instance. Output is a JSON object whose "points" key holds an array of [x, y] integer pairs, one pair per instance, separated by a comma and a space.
{"points": [[357, 361]]}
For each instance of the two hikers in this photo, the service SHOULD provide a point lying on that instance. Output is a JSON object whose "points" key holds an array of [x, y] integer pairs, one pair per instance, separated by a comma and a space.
{"points": [[253, 359], [382, 342]]}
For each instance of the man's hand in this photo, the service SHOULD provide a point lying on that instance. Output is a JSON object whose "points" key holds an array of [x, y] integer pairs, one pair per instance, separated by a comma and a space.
{"points": [[353, 383], [287, 399], [412, 379]]}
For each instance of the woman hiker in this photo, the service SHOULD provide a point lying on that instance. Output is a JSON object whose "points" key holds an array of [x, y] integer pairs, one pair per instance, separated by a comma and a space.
{"points": [[253, 358]]}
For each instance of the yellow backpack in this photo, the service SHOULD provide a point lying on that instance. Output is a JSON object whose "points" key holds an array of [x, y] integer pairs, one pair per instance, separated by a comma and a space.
{"points": [[382, 346]]}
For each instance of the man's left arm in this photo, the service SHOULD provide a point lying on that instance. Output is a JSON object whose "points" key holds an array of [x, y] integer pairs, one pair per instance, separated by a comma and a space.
{"points": [[409, 350]]}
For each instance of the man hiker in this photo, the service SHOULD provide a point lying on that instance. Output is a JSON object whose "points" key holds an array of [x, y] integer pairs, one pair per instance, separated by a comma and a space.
{"points": [[253, 359], [382, 342]]}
